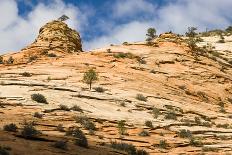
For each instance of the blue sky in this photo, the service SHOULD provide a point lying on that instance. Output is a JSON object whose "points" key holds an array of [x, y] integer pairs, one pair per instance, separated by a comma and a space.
{"points": [[104, 22]]}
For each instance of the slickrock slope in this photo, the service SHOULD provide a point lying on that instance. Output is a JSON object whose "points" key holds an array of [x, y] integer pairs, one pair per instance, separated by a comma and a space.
{"points": [[179, 93]]}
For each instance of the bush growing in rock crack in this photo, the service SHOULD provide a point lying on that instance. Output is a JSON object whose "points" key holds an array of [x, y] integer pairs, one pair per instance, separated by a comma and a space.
{"points": [[61, 145], [10, 127], [163, 144], [149, 124], [185, 133], [81, 139], [25, 74], [38, 115], [171, 115], [39, 98], [155, 112], [29, 131], [140, 97], [86, 122], [60, 128], [144, 133], [64, 107], [121, 127], [76, 108], [130, 149], [99, 89]]}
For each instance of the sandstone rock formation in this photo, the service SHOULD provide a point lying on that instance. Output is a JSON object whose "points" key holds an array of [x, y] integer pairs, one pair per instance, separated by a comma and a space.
{"points": [[57, 36]]}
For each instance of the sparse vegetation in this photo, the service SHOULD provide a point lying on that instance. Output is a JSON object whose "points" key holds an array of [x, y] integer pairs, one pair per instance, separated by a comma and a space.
{"points": [[38, 115], [89, 77], [86, 122], [144, 133], [149, 124], [209, 149], [76, 108], [121, 127], [61, 145], [194, 142], [26, 74], [130, 149], [155, 112], [151, 34], [163, 144], [64, 107], [51, 55], [39, 98], [99, 89], [185, 133], [124, 55], [60, 128], [140, 97], [29, 131], [10, 127], [171, 115], [1, 60], [81, 139]]}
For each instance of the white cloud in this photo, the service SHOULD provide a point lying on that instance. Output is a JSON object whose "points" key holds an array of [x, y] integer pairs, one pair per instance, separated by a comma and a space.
{"points": [[124, 8], [130, 32], [176, 15], [17, 32]]}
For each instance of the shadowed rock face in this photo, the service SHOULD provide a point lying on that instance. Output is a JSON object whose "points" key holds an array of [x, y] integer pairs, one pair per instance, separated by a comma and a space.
{"points": [[57, 36]]}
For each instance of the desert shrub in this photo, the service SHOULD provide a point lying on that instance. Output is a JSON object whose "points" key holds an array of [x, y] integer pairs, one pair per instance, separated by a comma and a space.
{"points": [[39, 98], [151, 34], [124, 55], [207, 124], [51, 55], [141, 97], [64, 107], [86, 122], [26, 74], [38, 115], [32, 58], [221, 104], [99, 89], [10, 60], [191, 32], [61, 145], [149, 124], [4, 150], [1, 60], [163, 144], [222, 110], [130, 149], [141, 60], [171, 115], [89, 77], [10, 127], [185, 133], [76, 108], [209, 149], [125, 43], [122, 103], [194, 142], [144, 133], [155, 112], [225, 126], [29, 131], [121, 127], [197, 120], [60, 128], [81, 139]]}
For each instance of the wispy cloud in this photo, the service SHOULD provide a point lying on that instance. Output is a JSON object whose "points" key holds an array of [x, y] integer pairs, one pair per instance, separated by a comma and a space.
{"points": [[17, 32]]}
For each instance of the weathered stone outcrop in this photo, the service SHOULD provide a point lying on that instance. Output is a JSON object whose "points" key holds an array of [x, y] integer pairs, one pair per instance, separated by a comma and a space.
{"points": [[57, 36]]}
